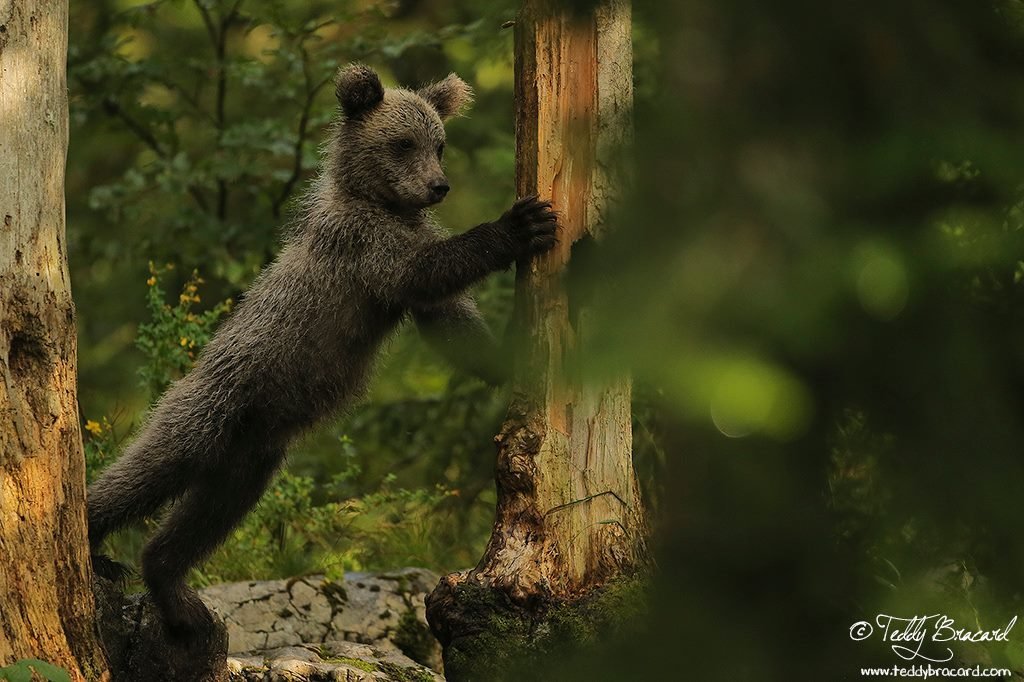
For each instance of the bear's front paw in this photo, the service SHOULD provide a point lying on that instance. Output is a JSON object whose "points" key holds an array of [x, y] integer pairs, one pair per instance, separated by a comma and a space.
{"points": [[531, 225]]}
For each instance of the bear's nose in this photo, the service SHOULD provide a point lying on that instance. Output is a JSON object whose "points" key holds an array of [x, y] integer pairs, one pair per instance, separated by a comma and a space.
{"points": [[439, 189]]}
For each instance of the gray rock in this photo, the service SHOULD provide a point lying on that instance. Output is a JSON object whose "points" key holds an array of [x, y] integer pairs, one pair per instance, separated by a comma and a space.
{"points": [[335, 661], [385, 610], [366, 628]]}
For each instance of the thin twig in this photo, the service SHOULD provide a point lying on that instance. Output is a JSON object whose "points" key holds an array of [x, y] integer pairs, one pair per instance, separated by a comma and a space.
{"points": [[114, 109], [221, 45], [234, 10], [222, 86], [311, 92], [208, 21], [189, 98]]}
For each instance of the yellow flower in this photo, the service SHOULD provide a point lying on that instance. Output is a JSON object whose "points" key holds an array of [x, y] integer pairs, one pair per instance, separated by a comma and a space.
{"points": [[151, 281], [94, 428], [184, 341]]}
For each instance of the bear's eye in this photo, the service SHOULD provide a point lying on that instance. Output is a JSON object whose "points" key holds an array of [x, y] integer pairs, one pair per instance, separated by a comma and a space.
{"points": [[440, 150], [405, 144]]}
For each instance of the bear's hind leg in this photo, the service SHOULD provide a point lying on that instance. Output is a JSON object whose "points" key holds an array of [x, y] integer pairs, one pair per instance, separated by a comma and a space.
{"points": [[194, 527], [135, 486]]}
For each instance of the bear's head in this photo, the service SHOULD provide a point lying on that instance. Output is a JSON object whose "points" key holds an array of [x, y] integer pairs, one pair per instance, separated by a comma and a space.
{"points": [[391, 141]]}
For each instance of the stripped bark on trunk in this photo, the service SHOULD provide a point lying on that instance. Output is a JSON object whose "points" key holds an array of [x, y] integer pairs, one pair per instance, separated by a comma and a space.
{"points": [[569, 514]]}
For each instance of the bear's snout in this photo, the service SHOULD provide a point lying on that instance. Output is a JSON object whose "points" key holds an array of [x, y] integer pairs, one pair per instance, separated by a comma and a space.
{"points": [[438, 189]]}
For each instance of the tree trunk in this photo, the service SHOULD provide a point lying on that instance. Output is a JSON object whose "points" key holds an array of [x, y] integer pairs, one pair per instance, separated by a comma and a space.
{"points": [[46, 603], [569, 516]]}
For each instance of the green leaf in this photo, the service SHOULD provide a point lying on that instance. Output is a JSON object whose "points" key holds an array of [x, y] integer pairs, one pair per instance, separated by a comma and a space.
{"points": [[22, 671]]}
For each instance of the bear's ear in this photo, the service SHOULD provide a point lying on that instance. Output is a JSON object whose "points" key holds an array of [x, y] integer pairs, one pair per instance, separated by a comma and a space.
{"points": [[358, 89], [449, 97]]}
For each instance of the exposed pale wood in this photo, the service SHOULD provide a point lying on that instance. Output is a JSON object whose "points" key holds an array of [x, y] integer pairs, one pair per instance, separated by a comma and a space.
{"points": [[46, 603], [569, 513]]}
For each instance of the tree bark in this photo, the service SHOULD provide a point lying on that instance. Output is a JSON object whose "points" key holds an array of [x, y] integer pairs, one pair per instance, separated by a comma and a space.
{"points": [[46, 604], [569, 515]]}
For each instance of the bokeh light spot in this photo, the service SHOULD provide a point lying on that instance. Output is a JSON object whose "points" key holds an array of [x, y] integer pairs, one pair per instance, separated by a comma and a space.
{"points": [[881, 280]]}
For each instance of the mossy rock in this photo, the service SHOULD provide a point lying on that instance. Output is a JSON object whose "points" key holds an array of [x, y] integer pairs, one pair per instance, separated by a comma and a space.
{"points": [[493, 639], [414, 638]]}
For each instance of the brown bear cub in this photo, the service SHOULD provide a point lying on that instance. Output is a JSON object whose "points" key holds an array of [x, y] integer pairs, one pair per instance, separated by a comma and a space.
{"points": [[364, 254]]}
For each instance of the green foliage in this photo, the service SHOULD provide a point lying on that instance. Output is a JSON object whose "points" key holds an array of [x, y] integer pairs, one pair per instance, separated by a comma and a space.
{"points": [[25, 669], [100, 447], [394, 526], [817, 273], [356, 663], [222, 104], [175, 333], [289, 534], [414, 638]]}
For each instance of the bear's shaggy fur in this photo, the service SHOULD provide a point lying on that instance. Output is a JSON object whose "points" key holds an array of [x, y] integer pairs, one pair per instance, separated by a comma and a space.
{"points": [[363, 255]]}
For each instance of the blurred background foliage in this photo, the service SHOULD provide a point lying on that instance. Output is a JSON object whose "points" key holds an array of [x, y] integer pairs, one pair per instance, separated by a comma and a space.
{"points": [[816, 276], [820, 267]]}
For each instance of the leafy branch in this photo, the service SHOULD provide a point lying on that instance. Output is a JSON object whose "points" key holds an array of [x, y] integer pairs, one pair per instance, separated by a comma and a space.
{"points": [[312, 89], [113, 108]]}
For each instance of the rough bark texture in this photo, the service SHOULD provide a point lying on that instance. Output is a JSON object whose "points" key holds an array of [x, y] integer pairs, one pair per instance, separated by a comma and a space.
{"points": [[569, 514], [46, 605], [569, 517]]}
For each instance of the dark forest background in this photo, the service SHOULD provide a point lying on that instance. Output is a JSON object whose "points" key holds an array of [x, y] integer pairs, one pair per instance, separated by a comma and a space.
{"points": [[816, 277]]}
